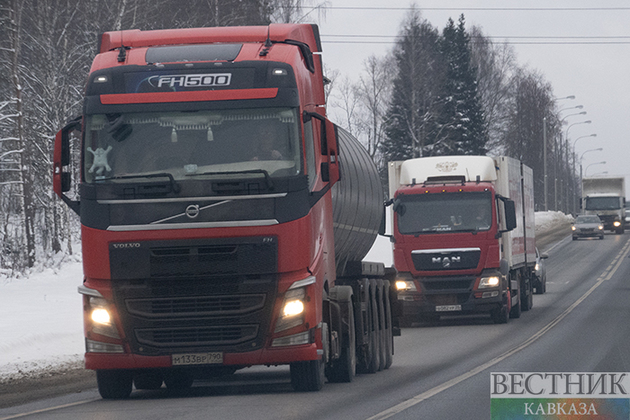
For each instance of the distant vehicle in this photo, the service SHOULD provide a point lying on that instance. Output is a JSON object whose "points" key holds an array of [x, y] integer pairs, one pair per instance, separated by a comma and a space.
{"points": [[606, 198], [540, 274], [627, 218], [586, 225]]}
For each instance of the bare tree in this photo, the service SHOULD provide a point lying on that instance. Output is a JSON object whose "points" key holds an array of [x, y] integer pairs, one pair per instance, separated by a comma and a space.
{"points": [[375, 88], [496, 64]]}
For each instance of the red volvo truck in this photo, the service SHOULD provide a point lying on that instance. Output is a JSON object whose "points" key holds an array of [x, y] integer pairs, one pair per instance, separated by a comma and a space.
{"points": [[224, 218], [463, 233]]}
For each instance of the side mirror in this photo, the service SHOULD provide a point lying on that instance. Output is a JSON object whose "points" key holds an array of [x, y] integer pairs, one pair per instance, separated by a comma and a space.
{"points": [[544, 256], [510, 215], [62, 181]]}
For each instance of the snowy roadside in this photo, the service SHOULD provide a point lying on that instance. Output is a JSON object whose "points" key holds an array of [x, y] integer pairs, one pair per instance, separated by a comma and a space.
{"points": [[42, 321]]}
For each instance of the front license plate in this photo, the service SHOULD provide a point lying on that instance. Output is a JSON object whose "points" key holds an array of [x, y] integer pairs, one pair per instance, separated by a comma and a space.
{"points": [[212, 358], [448, 308]]}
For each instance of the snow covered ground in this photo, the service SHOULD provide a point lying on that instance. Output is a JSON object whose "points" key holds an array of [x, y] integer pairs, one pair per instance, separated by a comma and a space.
{"points": [[41, 320]]}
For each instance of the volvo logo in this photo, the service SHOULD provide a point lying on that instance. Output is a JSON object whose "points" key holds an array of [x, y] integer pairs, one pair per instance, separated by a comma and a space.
{"points": [[446, 261], [127, 245], [192, 211]]}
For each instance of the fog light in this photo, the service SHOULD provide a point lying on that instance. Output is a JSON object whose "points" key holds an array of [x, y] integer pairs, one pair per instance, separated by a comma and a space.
{"points": [[293, 340], [92, 346]]}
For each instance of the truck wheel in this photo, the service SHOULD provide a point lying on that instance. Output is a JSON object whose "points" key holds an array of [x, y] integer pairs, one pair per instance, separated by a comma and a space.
{"points": [[527, 293], [382, 325], [389, 334], [516, 310], [375, 338], [148, 380], [114, 384], [344, 369], [500, 315], [179, 380], [308, 376]]}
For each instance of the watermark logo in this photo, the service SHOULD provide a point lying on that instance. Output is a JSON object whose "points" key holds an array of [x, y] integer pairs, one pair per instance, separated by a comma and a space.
{"points": [[554, 395]]}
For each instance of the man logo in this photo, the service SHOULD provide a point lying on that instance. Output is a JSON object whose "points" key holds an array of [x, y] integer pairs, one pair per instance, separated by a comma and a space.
{"points": [[446, 261], [446, 166]]}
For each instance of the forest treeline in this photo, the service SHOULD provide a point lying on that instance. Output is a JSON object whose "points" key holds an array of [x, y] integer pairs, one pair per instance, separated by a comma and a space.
{"points": [[450, 91]]}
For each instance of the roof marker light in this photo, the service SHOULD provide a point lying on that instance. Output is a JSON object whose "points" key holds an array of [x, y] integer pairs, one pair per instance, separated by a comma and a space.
{"points": [[100, 79], [279, 72]]}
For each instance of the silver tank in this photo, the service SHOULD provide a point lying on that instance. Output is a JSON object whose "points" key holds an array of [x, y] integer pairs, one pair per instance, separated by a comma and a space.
{"points": [[357, 201]]}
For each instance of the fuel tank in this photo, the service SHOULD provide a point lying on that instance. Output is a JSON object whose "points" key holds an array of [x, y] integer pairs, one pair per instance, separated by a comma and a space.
{"points": [[357, 202]]}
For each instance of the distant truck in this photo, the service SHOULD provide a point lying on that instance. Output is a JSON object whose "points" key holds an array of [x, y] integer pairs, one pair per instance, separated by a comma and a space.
{"points": [[606, 197], [463, 233]]}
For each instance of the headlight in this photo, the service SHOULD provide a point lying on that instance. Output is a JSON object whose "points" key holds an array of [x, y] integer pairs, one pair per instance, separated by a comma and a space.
{"points": [[617, 223], [293, 307], [600, 227], [537, 267], [101, 318], [573, 228], [487, 282], [406, 286]]}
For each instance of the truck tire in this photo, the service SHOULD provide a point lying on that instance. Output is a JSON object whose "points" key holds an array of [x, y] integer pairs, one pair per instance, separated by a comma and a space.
{"points": [[382, 325], [307, 376], [375, 338], [527, 293], [310, 375], [114, 384], [148, 380], [344, 369], [178, 380], [500, 315], [370, 351], [389, 333], [515, 312]]}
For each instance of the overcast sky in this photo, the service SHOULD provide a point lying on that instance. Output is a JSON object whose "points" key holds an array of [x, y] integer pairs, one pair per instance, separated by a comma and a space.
{"points": [[581, 47]]}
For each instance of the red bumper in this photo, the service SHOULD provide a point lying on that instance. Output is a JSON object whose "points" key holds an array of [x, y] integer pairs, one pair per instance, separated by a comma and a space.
{"points": [[280, 356]]}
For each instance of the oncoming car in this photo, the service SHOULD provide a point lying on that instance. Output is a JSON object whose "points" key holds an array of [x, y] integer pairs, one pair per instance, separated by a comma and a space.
{"points": [[587, 226]]}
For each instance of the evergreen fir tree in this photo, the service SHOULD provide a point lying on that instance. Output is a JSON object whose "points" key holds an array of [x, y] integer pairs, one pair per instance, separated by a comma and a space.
{"points": [[462, 119], [411, 121]]}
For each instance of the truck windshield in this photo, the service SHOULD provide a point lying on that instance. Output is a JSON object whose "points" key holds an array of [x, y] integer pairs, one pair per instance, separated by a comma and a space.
{"points": [[603, 203], [448, 212], [190, 144]]}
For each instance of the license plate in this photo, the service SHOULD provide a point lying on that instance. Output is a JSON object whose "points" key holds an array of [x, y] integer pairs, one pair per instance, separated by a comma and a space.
{"points": [[448, 308], [212, 358]]}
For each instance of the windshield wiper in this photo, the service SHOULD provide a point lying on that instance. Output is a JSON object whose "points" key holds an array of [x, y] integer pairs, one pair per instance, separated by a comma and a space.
{"points": [[174, 185], [251, 171]]}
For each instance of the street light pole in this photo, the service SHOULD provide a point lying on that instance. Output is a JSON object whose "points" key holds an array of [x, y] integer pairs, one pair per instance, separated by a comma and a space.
{"points": [[576, 197], [598, 163], [570, 175], [545, 180]]}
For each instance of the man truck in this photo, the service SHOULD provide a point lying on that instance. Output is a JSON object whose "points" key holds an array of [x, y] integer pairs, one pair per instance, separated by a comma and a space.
{"points": [[463, 233], [202, 256], [606, 198]]}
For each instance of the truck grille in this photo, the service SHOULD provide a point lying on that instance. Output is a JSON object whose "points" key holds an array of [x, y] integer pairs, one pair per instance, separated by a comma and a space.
{"points": [[449, 283], [195, 295], [445, 259], [196, 306], [191, 337]]}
